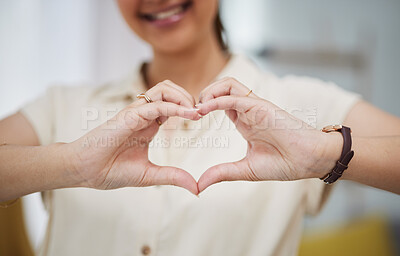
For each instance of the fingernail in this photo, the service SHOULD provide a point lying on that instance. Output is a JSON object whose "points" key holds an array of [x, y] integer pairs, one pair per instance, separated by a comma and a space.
{"points": [[198, 105]]}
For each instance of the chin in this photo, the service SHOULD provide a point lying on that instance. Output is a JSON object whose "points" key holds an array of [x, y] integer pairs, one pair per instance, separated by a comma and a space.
{"points": [[174, 42]]}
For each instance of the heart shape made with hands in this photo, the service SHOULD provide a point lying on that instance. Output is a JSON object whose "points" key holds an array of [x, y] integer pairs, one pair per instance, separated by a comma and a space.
{"points": [[272, 150], [268, 155], [221, 90]]}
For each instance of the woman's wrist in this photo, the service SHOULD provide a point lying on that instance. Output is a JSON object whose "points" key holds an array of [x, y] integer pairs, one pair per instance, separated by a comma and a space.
{"points": [[328, 153], [65, 162], [29, 169]]}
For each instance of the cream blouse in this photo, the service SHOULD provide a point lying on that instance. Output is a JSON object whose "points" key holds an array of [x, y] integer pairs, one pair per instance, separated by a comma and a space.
{"points": [[231, 218]]}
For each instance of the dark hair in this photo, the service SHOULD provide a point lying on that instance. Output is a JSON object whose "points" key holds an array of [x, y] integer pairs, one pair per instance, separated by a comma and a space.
{"points": [[220, 30]]}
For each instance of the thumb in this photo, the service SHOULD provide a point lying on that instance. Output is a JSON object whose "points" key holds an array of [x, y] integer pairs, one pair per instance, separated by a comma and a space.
{"points": [[225, 172], [167, 175]]}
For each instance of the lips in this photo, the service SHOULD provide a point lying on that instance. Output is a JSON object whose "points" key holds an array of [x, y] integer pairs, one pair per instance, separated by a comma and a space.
{"points": [[168, 13]]}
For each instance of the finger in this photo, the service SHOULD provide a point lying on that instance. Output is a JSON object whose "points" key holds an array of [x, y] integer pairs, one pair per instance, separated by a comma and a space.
{"points": [[153, 110], [240, 104], [225, 172], [188, 95], [139, 117], [224, 87], [169, 92], [232, 114], [165, 175]]}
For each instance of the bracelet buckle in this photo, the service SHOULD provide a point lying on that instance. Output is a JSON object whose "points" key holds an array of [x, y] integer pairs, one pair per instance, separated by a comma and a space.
{"points": [[332, 128]]}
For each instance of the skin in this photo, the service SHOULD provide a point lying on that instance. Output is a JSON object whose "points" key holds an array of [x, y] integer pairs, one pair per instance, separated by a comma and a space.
{"points": [[188, 54], [282, 147], [85, 163]]}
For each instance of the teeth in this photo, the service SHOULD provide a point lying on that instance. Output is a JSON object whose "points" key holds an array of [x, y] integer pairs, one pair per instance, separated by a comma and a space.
{"points": [[167, 14]]}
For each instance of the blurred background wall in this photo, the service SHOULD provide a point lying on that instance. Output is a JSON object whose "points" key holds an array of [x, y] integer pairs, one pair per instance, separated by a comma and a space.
{"points": [[352, 43]]}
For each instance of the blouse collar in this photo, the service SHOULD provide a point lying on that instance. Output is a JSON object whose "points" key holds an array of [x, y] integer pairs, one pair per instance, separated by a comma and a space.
{"points": [[238, 66]]}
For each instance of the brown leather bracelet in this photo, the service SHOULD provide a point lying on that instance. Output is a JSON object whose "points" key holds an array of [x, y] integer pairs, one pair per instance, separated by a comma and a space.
{"points": [[345, 157]]}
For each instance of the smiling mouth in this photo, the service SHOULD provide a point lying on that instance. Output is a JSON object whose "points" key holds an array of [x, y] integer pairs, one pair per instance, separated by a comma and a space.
{"points": [[167, 13]]}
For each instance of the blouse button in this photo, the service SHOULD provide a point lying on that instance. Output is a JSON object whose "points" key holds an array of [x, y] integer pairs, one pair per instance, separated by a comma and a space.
{"points": [[146, 250], [128, 98], [185, 124]]}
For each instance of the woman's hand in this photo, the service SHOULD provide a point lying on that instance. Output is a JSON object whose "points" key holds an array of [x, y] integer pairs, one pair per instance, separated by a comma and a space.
{"points": [[115, 154], [280, 146]]}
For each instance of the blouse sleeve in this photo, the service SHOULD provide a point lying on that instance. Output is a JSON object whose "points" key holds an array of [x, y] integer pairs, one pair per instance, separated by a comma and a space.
{"points": [[40, 113]]}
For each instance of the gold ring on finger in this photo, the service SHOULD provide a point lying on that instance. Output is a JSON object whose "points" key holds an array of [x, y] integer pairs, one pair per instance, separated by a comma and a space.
{"points": [[144, 96], [148, 100]]}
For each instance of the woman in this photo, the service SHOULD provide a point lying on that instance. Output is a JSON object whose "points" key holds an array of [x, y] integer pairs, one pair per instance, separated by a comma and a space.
{"points": [[240, 218]]}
